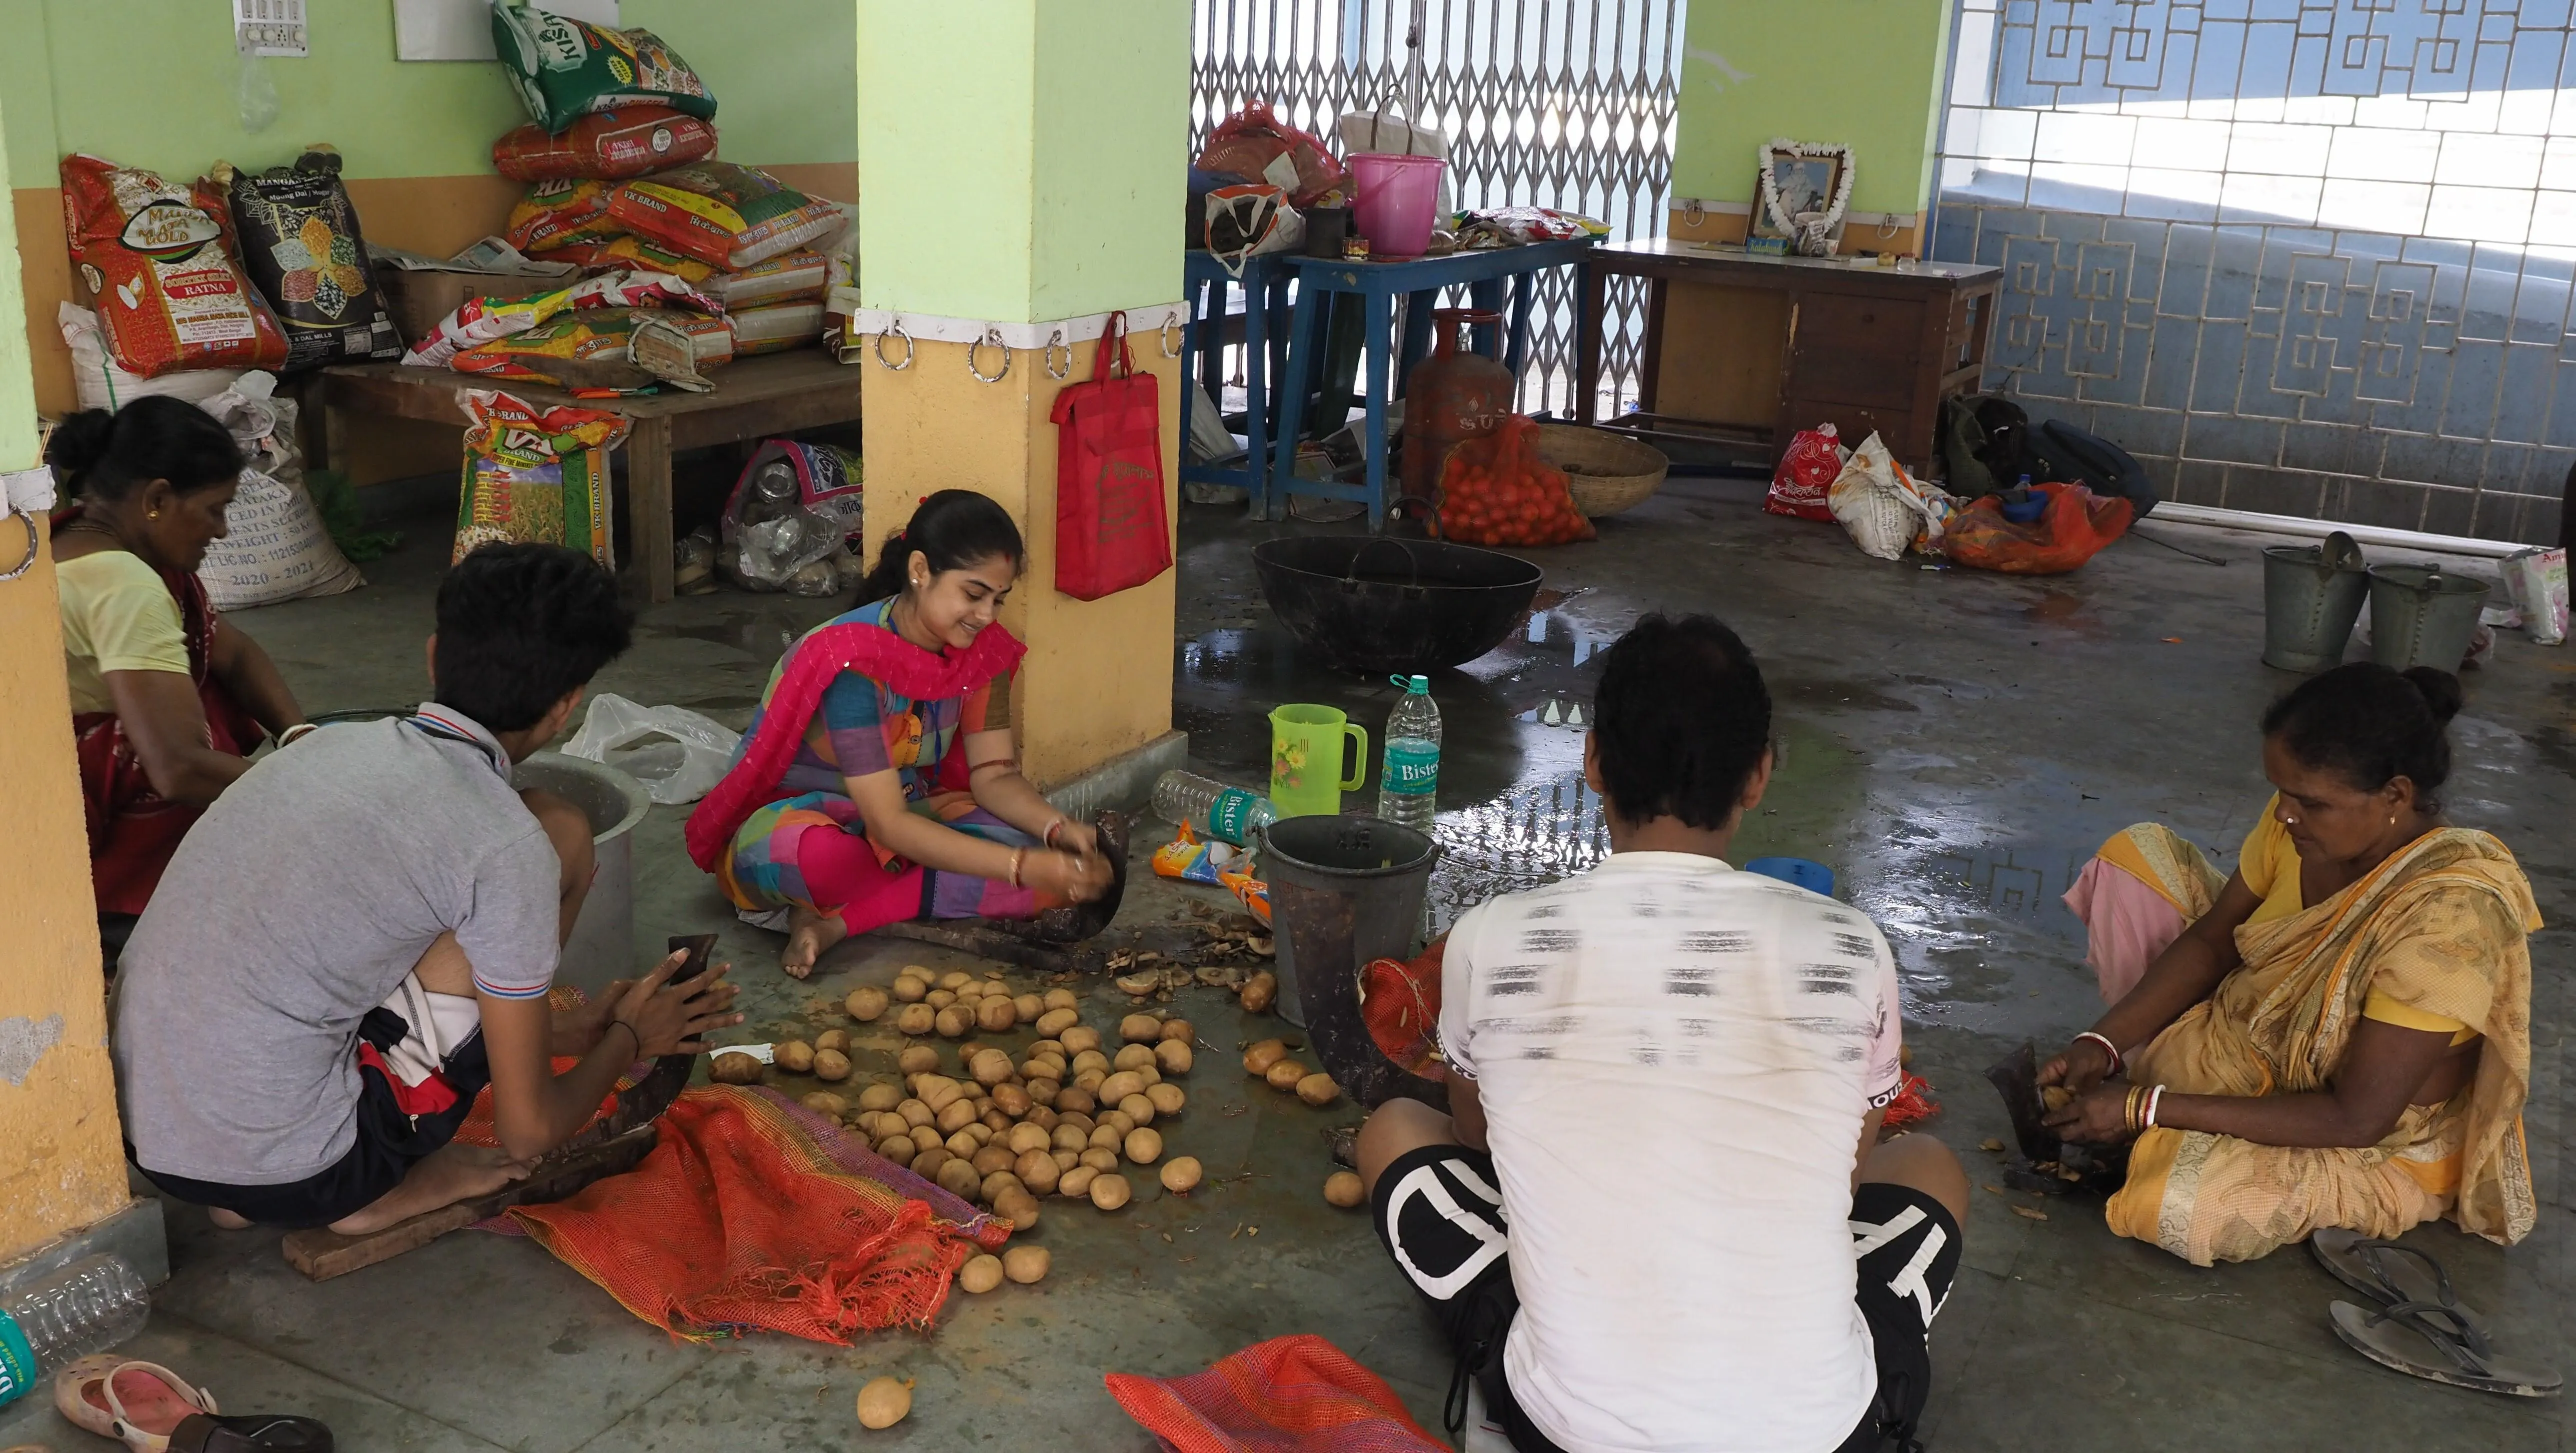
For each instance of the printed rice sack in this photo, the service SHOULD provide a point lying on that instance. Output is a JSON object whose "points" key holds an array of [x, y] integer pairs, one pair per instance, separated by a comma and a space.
{"points": [[631, 141], [275, 546], [612, 350], [99, 384], [791, 277], [171, 293], [480, 320], [301, 247], [719, 213], [535, 475], [631, 251], [558, 214], [776, 329], [565, 68]]}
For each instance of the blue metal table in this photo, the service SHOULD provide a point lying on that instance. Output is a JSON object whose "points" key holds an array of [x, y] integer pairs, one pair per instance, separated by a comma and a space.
{"points": [[1264, 283], [1378, 284]]}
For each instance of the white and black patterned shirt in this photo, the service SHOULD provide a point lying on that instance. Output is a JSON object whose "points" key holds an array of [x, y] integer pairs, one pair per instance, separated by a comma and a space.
{"points": [[1675, 1060]]}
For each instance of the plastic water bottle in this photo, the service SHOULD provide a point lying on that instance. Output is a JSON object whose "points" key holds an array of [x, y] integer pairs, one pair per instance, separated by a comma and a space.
{"points": [[88, 1306], [1409, 783], [1211, 808]]}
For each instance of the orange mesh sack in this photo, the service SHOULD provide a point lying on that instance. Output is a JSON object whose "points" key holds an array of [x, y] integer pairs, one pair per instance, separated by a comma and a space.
{"points": [[1255, 143], [754, 1212], [1496, 490], [2075, 528], [171, 291]]}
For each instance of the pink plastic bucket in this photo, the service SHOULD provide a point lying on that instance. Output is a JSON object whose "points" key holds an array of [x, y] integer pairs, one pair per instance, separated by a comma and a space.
{"points": [[1395, 194]]}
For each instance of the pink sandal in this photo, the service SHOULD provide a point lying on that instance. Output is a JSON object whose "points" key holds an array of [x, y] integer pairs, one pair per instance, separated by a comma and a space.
{"points": [[138, 1403]]}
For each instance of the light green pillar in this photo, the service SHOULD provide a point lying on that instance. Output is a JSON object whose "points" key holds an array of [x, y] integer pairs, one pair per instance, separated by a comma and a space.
{"points": [[1867, 74], [1022, 160]]}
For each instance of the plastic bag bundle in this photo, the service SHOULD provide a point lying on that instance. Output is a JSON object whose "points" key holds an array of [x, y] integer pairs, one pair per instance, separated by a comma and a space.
{"points": [[2535, 582], [1883, 508], [1254, 143], [566, 69], [2077, 525], [677, 755], [793, 511], [1814, 460], [630, 141], [724, 215], [301, 247], [1498, 490], [170, 287], [535, 474]]}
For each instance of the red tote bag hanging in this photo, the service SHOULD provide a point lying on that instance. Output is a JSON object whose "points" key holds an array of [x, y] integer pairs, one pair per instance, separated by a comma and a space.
{"points": [[1111, 531]]}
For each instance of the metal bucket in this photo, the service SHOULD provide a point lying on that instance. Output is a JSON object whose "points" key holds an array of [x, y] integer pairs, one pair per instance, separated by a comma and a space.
{"points": [[2311, 596], [1344, 891], [602, 946], [1373, 871], [2422, 617]]}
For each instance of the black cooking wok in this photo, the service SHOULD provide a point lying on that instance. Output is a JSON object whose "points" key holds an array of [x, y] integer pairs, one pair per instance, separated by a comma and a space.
{"points": [[1375, 604]]}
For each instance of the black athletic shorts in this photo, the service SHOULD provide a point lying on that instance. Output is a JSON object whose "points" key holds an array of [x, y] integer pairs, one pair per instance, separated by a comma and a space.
{"points": [[389, 1143], [1454, 1253]]}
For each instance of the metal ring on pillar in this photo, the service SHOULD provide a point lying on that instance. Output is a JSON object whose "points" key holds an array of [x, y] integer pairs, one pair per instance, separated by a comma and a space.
{"points": [[1054, 342], [1171, 330], [1693, 213], [34, 543], [993, 338], [894, 329]]}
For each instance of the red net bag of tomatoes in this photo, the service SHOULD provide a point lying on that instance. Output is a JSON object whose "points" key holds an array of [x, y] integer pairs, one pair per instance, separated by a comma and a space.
{"points": [[1496, 490]]}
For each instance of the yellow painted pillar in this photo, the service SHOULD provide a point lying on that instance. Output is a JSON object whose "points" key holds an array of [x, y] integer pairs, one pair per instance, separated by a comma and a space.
{"points": [[62, 1167], [1022, 164]]}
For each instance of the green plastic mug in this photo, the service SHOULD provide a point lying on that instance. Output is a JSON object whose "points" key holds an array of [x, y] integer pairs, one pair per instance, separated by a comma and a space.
{"points": [[1306, 759]]}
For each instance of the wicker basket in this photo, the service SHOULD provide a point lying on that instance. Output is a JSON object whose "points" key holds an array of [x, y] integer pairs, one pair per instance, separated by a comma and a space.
{"points": [[1606, 472]]}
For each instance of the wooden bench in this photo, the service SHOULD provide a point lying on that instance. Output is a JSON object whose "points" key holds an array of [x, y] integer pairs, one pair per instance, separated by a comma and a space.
{"points": [[754, 398]]}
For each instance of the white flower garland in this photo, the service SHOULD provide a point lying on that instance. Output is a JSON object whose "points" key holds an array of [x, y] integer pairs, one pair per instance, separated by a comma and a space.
{"points": [[1810, 240]]}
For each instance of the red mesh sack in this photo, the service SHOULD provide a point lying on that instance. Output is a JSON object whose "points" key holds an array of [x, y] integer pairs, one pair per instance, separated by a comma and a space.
{"points": [[1496, 490], [1298, 1392], [1255, 143], [169, 280], [1400, 1003], [2075, 528], [751, 1211], [631, 141], [1807, 474]]}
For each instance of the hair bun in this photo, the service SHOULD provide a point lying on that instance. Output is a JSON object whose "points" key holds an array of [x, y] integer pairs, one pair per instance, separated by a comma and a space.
{"points": [[78, 443], [2441, 691]]}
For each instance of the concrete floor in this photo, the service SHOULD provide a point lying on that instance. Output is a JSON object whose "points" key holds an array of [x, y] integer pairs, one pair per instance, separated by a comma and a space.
{"points": [[1957, 744]]}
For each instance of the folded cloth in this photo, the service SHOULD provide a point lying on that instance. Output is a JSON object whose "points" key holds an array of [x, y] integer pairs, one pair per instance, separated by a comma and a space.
{"points": [[1296, 1394]]}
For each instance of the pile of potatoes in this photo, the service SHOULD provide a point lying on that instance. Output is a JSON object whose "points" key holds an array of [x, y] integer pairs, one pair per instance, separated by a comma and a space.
{"points": [[1269, 1060], [1064, 1118]]}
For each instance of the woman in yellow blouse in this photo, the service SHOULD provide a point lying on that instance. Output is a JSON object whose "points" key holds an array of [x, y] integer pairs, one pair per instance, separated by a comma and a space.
{"points": [[2341, 1036], [167, 701]]}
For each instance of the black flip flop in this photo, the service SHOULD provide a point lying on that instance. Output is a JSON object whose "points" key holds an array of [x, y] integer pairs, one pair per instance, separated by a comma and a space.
{"points": [[2384, 1271], [2436, 1343], [249, 1433]]}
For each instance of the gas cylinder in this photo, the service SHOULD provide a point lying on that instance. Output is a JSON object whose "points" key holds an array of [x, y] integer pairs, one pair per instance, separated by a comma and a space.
{"points": [[1455, 395]]}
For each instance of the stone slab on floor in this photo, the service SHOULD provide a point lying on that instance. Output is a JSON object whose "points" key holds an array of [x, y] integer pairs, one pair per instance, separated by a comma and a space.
{"points": [[1956, 744]]}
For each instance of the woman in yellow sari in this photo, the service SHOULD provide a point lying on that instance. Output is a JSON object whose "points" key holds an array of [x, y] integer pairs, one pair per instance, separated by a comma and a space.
{"points": [[2341, 1037]]}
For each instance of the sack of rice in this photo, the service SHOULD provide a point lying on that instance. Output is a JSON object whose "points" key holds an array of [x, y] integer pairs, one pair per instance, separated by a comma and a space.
{"points": [[631, 141], [301, 246], [161, 261], [565, 68], [726, 215]]}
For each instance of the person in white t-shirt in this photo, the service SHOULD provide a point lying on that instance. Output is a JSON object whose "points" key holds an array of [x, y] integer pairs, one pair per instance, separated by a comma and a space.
{"points": [[1659, 1214]]}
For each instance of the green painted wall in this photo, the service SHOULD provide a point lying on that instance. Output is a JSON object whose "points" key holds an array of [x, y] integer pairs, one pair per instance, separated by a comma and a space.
{"points": [[1863, 73], [17, 375], [152, 83], [1024, 161]]}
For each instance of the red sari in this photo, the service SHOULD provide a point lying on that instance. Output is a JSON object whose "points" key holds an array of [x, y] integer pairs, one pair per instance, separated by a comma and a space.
{"points": [[133, 829]]}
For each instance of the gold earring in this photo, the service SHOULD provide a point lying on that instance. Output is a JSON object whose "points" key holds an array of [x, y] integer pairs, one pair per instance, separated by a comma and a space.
{"points": [[151, 514], [2392, 820]]}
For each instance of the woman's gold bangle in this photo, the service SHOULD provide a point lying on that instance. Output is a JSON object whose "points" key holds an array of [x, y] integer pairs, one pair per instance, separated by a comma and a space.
{"points": [[1017, 855]]}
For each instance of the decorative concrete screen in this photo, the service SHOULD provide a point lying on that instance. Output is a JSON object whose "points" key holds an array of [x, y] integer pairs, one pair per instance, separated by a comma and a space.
{"points": [[2306, 257], [1553, 103]]}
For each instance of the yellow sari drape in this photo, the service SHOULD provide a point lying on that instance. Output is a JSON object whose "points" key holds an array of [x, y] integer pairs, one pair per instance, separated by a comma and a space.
{"points": [[2441, 926]]}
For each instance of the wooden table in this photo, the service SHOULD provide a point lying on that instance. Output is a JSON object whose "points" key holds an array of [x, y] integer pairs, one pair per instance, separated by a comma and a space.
{"points": [[754, 398], [1753, 348], [1484, 273]]}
